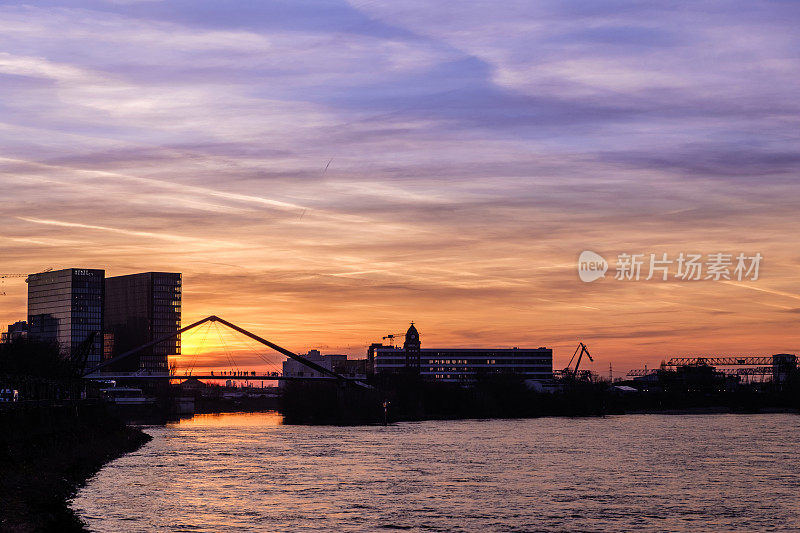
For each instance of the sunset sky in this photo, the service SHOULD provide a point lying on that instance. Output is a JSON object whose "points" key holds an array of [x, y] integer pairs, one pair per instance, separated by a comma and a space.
{"points": [[324, 172]]}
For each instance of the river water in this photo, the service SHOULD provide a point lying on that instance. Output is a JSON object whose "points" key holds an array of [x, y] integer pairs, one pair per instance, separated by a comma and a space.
{"points": [[247, 472]]}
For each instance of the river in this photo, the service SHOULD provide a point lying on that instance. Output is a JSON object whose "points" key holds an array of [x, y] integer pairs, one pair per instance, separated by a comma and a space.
{"points": [[247, 472]]}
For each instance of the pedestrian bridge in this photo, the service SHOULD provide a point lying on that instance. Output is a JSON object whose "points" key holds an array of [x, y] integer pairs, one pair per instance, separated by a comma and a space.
{"points": [[255, 376], [318, 372]]}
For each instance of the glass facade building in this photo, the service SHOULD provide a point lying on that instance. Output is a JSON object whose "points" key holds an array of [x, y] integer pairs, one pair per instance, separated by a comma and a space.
{"points": [[140, 308], [65, 307]]}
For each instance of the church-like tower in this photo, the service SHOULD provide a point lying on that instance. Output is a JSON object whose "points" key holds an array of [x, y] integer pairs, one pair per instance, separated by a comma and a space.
{"points": [[412, 348]]}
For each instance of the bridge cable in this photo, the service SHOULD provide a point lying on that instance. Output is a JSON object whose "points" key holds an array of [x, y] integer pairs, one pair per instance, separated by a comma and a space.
{"points": [[228, 351], [229, 356], [255, 350], [197, 351], [271, 365], [190, 366]]}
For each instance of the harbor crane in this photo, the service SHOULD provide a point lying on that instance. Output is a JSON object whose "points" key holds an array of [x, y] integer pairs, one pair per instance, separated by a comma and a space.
{"points": [[574, 374], [80, 356]]}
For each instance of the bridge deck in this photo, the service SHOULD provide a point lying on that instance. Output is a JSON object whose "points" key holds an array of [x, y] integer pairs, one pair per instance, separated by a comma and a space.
{"points": [[154, 376]]}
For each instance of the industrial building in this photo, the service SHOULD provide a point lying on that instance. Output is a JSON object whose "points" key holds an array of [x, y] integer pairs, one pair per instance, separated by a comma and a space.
{"points": [[66, 307], [459, 364], [140, 308]]}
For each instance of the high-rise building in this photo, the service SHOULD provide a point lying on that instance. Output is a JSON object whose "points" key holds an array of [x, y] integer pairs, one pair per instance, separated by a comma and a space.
{"points": [[65, 307], [140, 308], [460, 364]]}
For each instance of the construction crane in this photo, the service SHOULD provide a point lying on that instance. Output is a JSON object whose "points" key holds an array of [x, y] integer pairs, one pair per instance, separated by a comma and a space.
{"points": [[3, 276], [392, 336], [573, 374]]}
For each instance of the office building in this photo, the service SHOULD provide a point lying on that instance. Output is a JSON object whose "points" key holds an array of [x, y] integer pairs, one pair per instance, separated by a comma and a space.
{"points": [[65, 307], [460, 364], [140, 308]]}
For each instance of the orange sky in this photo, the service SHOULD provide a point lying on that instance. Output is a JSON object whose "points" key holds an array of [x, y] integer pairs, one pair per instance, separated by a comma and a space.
{"points": [[468, 290], [324, 182]]}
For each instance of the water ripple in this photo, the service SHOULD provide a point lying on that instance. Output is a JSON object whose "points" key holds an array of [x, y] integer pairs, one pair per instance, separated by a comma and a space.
{"points": [[246, 472]]}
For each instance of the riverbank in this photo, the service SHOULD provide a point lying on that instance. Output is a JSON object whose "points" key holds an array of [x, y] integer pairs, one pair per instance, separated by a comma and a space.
{"points": [[399, 398], [47, 453]]}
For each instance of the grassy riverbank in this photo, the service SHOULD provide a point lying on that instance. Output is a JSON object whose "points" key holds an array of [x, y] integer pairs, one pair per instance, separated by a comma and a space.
{"points": [[47, 453]]}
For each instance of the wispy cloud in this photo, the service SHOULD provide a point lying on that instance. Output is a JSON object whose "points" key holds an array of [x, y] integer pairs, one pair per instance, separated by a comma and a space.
{"points": [[166, 237], [753, 287]]}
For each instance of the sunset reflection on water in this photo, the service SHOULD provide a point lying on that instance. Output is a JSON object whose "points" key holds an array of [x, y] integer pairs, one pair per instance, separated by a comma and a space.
{"points": [[247, 472], [266, 419]]}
